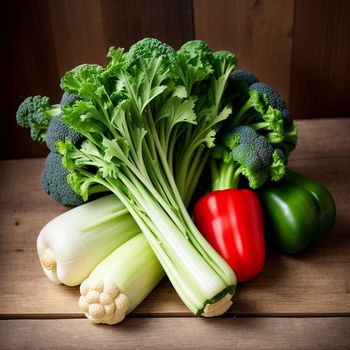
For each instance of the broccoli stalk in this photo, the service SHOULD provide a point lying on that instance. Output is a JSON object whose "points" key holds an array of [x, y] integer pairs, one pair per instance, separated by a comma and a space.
{"points": [[35, 113], [272, 123], [244, 152], [252, 108]]}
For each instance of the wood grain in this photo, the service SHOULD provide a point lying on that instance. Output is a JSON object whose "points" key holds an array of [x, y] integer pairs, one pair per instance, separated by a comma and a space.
{"points": [[126, 22], [321, 55], [322, 139], [258, 32], [43, 39], [29, 68], [315, 282], [298, 46], [179, 333], [77, 33]]}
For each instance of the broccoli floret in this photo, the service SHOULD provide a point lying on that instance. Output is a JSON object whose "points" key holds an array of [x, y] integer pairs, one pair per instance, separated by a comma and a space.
{"points": [[242, 152], [54, 177], [69, 99], [35, 113], [279, 165], [252, 110], [250, 78], [265, 111], [58, 131], [236, 93], [273, 98], [272, 122], [54, 181], [252, 149]]}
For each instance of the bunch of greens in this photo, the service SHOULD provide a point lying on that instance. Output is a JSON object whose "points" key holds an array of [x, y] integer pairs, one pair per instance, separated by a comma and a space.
{"points": [[143, 128], [149, 120]]}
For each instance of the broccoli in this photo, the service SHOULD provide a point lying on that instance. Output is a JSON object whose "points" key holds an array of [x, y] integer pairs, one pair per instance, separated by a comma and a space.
{"points": [[251, 110], [245, 152], [35, 113], [250, 78], [274, 99], [54, 176], [264, 110], [69, 99], [54, 181], [273, 123], [278, 167], [237, 91], [58, 131]]}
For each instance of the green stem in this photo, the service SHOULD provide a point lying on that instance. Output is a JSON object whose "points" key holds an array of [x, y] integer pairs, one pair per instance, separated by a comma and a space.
{"points": [[223, 178], [259, 126], [193, 185], [97, 189], [171, 147], [193, 175]]}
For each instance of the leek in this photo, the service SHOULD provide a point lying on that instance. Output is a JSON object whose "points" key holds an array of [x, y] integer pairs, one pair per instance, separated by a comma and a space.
{"points": [[120, 282], [71, 245]]}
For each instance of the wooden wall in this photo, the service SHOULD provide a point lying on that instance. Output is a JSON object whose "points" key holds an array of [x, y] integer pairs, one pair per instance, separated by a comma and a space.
{"points": [[301, 47]]}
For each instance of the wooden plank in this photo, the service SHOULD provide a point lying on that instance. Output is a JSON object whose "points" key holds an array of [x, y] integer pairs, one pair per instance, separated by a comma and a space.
{"points": [[321, 55], [78, 33], [322, 139], [31, 69], [315, 281], [126, 22], [179, 333], [258, 32]]}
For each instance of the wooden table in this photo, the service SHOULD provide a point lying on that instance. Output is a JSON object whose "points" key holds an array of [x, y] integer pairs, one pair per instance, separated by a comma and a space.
{"points": [[298, 302]]}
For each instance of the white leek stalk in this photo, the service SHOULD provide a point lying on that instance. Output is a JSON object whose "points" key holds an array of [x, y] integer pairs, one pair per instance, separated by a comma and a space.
{"points": [[120, 282], [71, 245]]}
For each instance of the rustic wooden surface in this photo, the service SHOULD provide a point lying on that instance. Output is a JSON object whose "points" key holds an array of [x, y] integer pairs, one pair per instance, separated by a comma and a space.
{"points": [[297, 302], [180, 333]]}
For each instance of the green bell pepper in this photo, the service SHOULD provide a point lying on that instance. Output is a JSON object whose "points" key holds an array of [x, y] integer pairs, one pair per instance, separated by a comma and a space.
{"points": [[297, 212]]}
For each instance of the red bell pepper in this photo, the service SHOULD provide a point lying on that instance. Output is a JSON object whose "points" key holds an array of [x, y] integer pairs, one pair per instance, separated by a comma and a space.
{"points": [[231, 221]]}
